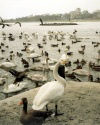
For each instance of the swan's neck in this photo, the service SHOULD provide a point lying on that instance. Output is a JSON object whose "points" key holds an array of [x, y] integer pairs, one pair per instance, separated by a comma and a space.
{"points": [[57, 76]]}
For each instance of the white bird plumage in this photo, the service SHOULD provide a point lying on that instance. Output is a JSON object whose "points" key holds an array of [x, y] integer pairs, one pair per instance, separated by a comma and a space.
{"points": [[14, 87], [51, 91], [7, 65]]}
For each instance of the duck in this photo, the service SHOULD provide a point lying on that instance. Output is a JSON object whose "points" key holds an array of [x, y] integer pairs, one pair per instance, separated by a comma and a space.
{"points": [[83, 62], [32, 117], [81, 51], [54, 45], [51, 91], [69, 53], [39, 45], [25, 63]]}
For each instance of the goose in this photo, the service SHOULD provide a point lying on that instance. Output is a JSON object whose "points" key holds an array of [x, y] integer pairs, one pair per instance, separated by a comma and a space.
{"points": [[51, 91], [32, 117], [26, 64]]}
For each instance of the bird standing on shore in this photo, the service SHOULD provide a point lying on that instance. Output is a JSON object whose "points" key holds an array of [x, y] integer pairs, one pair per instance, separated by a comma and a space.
{"points": [[32, 117], [51, 91]]}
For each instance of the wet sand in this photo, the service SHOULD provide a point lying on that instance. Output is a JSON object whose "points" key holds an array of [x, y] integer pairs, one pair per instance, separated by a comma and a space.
{"points": [[80, 105]]}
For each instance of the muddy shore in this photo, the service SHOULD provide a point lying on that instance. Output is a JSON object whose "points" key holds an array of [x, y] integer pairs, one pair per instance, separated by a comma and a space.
{"points": [[80, 105]]}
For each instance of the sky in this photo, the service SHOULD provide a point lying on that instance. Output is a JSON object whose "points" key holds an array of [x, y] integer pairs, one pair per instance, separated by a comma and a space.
{"points": [[20, 8]]}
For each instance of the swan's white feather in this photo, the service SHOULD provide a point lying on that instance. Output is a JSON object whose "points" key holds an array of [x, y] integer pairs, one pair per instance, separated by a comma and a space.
{"points": [[49, 92], [15, 87]]}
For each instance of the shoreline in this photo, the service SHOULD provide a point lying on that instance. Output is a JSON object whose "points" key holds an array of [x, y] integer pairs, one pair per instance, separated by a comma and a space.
{"points": [[73, 21]]}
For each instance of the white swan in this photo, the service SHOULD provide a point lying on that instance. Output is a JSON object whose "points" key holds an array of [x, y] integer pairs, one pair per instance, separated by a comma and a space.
{"points": [[33, 55], [51, 91], [13, 87]]}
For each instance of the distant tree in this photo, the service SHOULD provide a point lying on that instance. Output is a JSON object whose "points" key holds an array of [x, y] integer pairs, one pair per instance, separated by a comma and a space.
{"points": [[76, 14], [96, 14], [85, 14]]}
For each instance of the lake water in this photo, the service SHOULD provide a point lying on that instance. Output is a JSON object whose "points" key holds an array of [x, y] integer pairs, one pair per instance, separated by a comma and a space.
{"points": [[86, 31]]}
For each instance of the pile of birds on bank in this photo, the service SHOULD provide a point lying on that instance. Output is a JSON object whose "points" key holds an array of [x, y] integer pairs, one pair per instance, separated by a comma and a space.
{"points": [[43, 58], [50, 91]]}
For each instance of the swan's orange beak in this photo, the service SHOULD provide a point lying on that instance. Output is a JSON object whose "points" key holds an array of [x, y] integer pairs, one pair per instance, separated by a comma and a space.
{"points": [[20, 103]]}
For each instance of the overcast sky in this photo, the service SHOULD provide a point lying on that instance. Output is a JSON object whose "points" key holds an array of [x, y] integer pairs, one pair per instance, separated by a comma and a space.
{"points": [[20, 8]]}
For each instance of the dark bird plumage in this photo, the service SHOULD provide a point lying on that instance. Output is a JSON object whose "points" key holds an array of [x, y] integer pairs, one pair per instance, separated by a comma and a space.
{"points": [[41, 21], [32, 117], [61, 71], [19, 76]]}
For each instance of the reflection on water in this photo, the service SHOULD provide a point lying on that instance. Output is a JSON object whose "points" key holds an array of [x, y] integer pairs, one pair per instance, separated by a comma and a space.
{"points": [[86, 31]]}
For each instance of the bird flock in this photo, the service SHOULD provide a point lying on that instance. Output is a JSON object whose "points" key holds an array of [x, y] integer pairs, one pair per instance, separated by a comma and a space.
{"points": [[34, 56]]}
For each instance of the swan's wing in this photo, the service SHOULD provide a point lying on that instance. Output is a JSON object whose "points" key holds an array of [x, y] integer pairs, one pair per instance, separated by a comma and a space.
{"points": [[49, 92]]}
